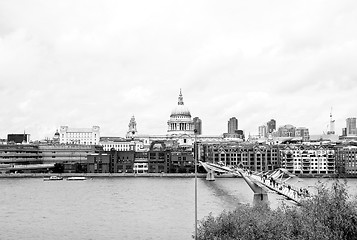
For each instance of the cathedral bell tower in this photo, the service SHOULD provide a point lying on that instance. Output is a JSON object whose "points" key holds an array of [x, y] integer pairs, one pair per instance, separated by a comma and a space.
{"points": [[132, 128]]}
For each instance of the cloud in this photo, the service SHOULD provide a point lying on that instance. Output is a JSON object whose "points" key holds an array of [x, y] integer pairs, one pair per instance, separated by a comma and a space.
{"points": [[87, 63]]}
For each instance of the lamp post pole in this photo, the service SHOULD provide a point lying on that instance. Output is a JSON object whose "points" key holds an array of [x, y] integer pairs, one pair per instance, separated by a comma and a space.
{"points": [[195, 155]]}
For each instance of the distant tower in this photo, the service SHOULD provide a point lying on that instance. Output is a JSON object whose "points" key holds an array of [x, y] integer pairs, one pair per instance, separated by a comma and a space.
{"points": [[332, 125], [132, 128], [271, 126], [351, 126], [262, 131], [197, 123], [232, 125]]}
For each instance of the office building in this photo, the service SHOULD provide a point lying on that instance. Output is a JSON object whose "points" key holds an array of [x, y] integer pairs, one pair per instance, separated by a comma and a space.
{"points": [[271, 126], [286, 131], [262, 131], [303, 133], [351, 126], [232, 125], [197, 123], [18, 138]]}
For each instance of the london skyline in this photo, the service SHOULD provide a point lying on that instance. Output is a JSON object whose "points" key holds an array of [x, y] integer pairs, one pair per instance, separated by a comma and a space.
{"points": [[88, 63]]}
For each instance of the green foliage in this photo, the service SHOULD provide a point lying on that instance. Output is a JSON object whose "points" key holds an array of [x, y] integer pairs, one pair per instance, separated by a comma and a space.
{"points": [[329, 214]]}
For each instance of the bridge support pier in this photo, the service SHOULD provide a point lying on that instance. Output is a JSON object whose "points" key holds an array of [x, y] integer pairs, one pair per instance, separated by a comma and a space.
{"points": [[210, 175], [260, 198]]}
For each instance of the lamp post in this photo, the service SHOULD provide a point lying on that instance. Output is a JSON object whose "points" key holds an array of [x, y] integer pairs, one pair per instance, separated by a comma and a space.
{"points": [[195, 155]]}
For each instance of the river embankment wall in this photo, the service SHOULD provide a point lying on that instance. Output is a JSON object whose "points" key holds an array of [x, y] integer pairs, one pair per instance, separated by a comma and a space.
{"points": [[108, 175]]}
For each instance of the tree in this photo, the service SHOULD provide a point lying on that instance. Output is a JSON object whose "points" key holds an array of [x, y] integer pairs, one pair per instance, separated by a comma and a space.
{"points": [[330, 214], [58, 168]]}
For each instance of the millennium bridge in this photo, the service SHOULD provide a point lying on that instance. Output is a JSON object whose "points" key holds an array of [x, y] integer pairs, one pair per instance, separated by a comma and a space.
{"points": [[261, 182]]}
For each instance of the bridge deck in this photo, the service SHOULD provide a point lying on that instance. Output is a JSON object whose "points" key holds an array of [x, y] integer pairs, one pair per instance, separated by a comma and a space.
{"points": [[273, 181], [280, 188]]}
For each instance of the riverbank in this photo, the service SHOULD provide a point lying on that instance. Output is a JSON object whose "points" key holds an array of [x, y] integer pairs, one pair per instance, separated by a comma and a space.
{"points": [[108, 175]]}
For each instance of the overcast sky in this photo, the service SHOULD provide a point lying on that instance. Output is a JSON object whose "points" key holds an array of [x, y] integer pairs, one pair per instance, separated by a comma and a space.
{"points": [[85, 63]]}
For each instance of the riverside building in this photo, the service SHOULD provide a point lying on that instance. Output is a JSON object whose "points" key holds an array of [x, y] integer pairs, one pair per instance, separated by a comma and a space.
{"points": [[83, 136], [21, 158], [302, 159], [346, 160], [248, 156]]}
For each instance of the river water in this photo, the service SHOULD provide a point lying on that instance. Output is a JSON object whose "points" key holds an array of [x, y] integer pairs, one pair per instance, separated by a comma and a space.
{"points": [[119, 208]]}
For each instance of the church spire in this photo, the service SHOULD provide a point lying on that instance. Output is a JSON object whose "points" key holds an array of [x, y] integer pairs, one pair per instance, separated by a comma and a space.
{"points": [[180, 98]]}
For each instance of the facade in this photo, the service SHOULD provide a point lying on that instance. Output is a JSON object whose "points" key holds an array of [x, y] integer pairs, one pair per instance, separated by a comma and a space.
{"points": [[141, 164], [197, 124], [303, 133], [351, 127], [346, 160], [262, 131], [301, 159], [180, 119], [232, 125], [158, 158], [118, 144], [181, 162], [82, 136], [248, 156], [271, 126], [19, 154], [123, 161], [72, 157], [61, 153], [98, 163], [18, 138], [344, 131], [286, 131], [22, 158]]}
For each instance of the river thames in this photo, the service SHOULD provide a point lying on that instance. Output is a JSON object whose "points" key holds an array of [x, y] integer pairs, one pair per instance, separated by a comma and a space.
{"points": [[120, 208]]}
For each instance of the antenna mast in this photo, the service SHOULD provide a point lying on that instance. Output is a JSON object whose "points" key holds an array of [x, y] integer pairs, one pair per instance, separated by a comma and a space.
{"points": [[332, 125]]}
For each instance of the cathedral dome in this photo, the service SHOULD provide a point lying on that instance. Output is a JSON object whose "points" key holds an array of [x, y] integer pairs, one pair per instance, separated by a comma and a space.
{"points": [[180, 119], [180, 110]]}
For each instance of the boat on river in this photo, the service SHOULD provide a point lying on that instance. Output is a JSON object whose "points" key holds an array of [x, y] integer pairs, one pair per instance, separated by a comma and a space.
{"points": [[53, 178], [76, 178]]}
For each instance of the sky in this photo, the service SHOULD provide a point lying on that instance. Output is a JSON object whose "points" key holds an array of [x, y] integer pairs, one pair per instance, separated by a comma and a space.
{"points": [[81, 63]]}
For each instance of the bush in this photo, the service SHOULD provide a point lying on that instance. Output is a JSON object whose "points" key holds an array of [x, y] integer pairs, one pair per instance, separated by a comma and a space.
{"points": [[329, 214]]}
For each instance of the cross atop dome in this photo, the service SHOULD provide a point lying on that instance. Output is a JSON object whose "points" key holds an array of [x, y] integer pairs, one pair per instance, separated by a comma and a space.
{"points": [[180, 98]]}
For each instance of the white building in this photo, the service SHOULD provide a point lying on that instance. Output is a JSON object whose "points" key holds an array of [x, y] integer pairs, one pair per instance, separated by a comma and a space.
{"points": [[84, 136], [308, 159], [121, 145]]}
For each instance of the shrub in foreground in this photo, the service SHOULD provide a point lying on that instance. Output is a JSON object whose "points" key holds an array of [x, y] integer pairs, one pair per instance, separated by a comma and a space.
{"points": [[329, 214]]}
